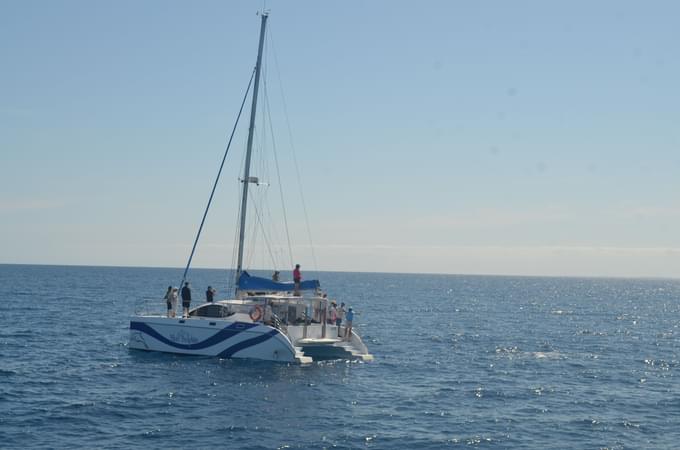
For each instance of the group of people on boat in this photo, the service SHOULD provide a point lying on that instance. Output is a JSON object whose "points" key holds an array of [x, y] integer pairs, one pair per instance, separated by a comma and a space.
{"points": [[297, 278], [171, 295], [171, 298], [336, 314]]}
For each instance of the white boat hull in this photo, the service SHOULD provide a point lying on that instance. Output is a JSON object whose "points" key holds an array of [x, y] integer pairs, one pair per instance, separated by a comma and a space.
{"points": [[212, 337]]}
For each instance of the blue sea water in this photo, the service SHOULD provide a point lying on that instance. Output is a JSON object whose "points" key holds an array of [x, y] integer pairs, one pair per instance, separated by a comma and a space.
{"points": [[460, 361]]}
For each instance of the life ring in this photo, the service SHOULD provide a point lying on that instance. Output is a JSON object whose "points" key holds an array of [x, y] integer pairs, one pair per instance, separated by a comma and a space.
{"points": [[256, 313]]}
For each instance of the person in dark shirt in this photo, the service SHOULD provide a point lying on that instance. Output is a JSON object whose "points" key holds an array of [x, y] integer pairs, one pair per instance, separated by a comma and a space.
{"points": [[210, 294], [186, 299]]}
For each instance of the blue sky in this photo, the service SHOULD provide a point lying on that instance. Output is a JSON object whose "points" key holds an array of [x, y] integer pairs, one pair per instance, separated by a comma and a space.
{"points": [[528, 137]]}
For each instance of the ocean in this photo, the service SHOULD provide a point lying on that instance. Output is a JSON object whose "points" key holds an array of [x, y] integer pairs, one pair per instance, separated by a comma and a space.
{"points": [[460, 362]]}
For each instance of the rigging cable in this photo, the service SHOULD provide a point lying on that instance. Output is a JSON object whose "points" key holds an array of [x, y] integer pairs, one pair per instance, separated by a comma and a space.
{"points": [[265, 236], [217, 179], [297, 169], [278, 176]]}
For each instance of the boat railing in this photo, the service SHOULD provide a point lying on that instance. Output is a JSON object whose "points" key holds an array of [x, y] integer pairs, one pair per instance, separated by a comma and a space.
{"points": [[291, 311], [307, 322], [277, 323]]}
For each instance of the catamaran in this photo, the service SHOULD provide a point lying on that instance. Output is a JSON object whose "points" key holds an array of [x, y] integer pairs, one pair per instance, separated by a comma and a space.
{"points": [[267, 319]]}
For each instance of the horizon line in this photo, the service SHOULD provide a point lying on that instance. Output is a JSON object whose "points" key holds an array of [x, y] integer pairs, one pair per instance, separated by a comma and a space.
{"points": [[499, 275]]}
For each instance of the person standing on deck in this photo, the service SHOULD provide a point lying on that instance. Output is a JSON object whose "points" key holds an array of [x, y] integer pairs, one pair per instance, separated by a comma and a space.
{"points": [[168, 300], [340, 316], [210, 294], [297, 279], [332, 313], [173, 301], [348, 324], [186, 299]]}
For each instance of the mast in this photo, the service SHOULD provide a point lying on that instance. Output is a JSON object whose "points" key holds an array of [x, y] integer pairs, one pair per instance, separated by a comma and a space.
{"points": [[251, 130]]}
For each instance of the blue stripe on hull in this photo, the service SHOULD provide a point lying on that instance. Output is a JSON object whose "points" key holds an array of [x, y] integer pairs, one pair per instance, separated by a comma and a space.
{"points": [[247, 343], [221, 336]]}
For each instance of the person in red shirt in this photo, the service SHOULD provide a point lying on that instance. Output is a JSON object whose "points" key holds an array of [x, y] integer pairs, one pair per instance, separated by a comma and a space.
{"points": [[297, 278]]}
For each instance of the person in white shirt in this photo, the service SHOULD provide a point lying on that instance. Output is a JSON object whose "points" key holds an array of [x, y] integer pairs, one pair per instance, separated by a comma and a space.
{"points": [[340, 317]]}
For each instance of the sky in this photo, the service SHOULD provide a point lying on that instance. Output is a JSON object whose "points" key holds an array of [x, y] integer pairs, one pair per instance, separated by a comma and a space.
{"points": [[486, 137]]}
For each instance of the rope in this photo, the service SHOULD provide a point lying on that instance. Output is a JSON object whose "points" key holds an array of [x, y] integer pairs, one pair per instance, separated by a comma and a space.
{"points": [[217, 179]]}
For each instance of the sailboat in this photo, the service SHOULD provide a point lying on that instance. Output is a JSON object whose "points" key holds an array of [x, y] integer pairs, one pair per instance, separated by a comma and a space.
{"points": [[266, 319]]}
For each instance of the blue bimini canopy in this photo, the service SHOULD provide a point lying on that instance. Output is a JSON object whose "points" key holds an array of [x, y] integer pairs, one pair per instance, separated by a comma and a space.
{"points": [[249, 283]]}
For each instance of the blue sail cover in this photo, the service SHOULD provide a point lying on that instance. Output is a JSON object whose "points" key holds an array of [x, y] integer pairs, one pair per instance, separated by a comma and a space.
{"points": [[250, 283]]}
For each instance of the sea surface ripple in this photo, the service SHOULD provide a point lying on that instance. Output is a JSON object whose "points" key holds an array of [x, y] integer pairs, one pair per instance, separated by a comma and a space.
{"points": [[460, 362]]}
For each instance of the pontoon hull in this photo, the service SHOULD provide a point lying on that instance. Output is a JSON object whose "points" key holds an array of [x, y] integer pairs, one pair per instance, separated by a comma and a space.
{"points": [[211, 337]]}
